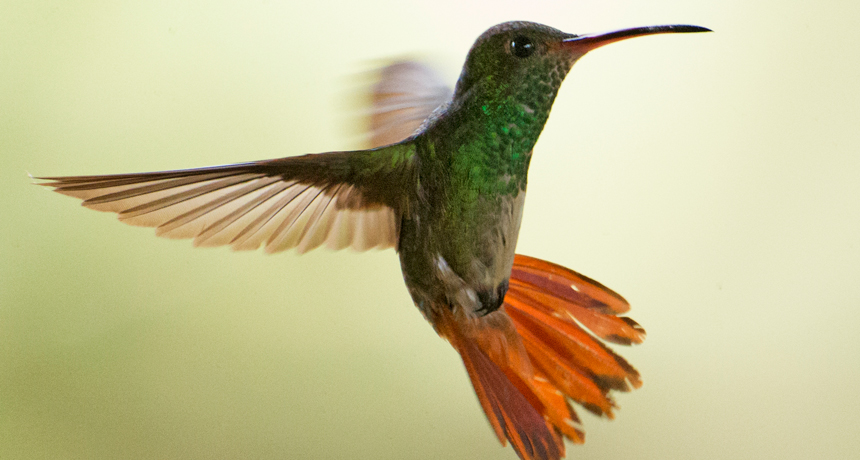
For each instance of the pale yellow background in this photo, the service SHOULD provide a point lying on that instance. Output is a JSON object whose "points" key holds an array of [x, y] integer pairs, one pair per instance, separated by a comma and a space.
{"points": [[712, 179]]}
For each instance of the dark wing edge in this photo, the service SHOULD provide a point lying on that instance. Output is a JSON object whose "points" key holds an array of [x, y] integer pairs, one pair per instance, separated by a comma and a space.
{"points": [[340, 199]]}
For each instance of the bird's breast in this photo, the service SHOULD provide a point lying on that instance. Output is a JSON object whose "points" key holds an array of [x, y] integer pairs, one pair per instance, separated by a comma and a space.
{"points": [[462, 257]]}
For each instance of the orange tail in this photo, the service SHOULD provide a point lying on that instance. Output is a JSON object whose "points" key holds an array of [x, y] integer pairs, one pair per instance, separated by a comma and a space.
{"points": [[530, 357]]}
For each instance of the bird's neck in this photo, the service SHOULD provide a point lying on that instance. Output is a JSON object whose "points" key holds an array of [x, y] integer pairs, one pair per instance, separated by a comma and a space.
{"points": [[489, 134]]}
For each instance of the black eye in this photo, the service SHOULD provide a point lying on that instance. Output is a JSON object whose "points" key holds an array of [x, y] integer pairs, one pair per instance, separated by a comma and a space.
{"points": [[522, 47]]}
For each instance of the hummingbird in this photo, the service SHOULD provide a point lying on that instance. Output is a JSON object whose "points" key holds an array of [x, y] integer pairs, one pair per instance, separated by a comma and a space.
{"points": [[449, 198]]}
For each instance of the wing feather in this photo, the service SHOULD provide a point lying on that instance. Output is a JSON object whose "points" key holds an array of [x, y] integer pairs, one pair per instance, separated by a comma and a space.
{"points": [[405, 96], [341, 199]]}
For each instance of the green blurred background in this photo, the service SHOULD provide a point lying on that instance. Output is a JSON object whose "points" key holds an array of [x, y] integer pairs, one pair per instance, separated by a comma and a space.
{"points": [[712, 179]]}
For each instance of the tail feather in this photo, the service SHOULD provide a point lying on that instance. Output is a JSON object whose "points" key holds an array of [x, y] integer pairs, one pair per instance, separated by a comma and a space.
{"points": [[607, 326], [509, 410], [577, 289], [502, 380], [530, 358], [570, 380], [569, 342]]}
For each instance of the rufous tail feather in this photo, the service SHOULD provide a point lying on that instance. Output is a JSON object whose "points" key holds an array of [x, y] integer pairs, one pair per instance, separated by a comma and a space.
{"points": [[534, 355]]}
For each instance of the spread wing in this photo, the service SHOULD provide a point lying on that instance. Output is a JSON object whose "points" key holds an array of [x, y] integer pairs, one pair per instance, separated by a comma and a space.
{"points": [[342, 199]]}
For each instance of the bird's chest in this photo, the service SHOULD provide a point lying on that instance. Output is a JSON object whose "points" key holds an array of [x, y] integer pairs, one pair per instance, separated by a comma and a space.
{"points": [[482, 236], [459, 251], [457, 242]]}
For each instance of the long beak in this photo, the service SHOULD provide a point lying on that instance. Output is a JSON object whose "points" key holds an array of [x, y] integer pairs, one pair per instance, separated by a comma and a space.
{"points": [[582, 44]]}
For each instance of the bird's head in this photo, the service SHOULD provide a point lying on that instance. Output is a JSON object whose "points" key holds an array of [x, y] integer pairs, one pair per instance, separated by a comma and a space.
{"points": [[525, 62]]}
